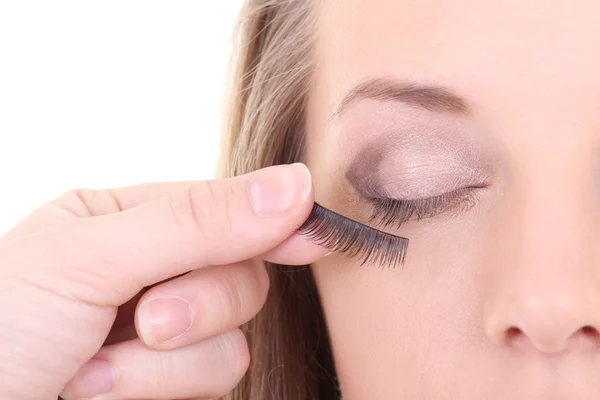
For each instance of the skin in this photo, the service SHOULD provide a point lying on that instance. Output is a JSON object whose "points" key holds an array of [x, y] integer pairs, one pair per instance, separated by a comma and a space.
{"points": [[78, 279], [501, 300]]}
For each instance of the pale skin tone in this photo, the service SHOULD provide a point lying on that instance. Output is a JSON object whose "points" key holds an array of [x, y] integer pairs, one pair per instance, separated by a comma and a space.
{"points": [[500, 301], [68, 268], [497, 301]]}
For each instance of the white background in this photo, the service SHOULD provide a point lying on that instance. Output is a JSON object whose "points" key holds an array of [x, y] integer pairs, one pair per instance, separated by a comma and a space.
{"points": [[108, 93]]}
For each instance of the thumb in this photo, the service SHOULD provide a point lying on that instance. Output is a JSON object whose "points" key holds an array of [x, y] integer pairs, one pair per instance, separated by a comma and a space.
{"points": [[206, 223]]}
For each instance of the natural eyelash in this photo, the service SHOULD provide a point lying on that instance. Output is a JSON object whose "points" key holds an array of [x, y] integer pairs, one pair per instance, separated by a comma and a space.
{"points": [[338, 233], [392, 212]]}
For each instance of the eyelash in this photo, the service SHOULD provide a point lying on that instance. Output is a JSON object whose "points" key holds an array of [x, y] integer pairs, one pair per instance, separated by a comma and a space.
{"points": [[341, 234], [391, 212]]}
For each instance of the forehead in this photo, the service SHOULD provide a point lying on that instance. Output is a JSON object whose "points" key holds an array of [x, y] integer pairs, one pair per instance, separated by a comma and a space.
{"points": [[497, 47]]}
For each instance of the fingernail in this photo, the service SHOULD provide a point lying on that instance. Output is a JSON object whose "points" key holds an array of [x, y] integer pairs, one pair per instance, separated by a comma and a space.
{"points": [[280, 190], [164, 318], [93, 379]]}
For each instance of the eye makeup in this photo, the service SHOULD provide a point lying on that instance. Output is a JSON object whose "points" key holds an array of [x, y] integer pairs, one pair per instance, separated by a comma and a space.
{"points": [[344, 235], [393, 213], [341, 234], [396, 185], [404, 174], [382, 170], [400, 164]]}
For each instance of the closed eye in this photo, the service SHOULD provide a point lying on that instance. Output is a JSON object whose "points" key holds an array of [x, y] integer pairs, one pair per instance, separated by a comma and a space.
{"points": [[394, 212], [341, 234]]}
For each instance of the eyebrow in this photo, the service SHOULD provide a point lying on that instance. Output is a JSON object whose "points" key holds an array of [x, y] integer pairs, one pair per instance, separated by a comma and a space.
{"points": [[432, 98]]}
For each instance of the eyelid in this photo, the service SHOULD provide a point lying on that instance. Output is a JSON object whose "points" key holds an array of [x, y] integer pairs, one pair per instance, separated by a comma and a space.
{"points": [[417, 181], [395, 212]]}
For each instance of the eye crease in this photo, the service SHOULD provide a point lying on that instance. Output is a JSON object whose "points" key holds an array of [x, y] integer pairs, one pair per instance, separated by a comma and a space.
{"points": [[401, 179]]}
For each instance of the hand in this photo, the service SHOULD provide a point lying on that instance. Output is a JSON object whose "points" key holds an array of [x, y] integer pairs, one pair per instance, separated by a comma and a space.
{"points": [[182, 260]]}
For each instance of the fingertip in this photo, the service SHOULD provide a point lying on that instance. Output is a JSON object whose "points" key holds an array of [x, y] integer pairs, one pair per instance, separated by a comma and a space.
{"points": [[280, 190], [304, 171], [308, 196], [94, 378]]}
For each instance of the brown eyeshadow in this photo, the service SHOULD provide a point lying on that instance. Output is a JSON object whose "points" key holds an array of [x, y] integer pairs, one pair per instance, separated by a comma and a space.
{"points": [[421, 155]]}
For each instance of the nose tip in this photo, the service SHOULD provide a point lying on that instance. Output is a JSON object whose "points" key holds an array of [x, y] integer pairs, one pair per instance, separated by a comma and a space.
{"points": [[551, 325]]}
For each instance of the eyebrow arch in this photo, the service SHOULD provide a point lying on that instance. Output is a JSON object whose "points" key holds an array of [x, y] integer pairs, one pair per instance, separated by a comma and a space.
{"points": [[429, 97]]}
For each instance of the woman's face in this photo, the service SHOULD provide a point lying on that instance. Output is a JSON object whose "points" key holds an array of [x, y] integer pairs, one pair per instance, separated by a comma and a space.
{"points": [[495, 107]]}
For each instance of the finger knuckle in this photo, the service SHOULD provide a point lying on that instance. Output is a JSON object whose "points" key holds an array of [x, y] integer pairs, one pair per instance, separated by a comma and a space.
{"points": [[219, 199], [262, 278], [234, 351], [202, 208], [200, 197], [88, 202], [242, 292], [74, 202], [232, 299], [227, 221], [231, 361], [186, 211]]}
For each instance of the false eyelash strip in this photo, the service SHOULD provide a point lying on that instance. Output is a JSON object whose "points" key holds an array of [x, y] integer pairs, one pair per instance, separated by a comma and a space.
{"points": [[341, 234]]}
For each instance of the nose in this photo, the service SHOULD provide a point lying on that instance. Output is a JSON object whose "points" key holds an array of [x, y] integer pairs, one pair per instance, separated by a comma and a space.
{"points": [[542, 287], [550, 321]]}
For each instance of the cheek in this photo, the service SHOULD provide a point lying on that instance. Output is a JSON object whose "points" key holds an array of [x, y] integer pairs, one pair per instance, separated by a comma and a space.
{"points": [[411, 332], [398, 330]]}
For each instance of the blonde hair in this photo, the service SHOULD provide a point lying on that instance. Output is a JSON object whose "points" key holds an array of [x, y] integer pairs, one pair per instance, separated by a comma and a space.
{"points": [[264, 122]]}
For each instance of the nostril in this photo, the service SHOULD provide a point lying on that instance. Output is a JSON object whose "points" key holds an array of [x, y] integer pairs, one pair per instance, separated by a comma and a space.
{"points": [[513, 333], [515, 336], [588, 335], [590, 331]]}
